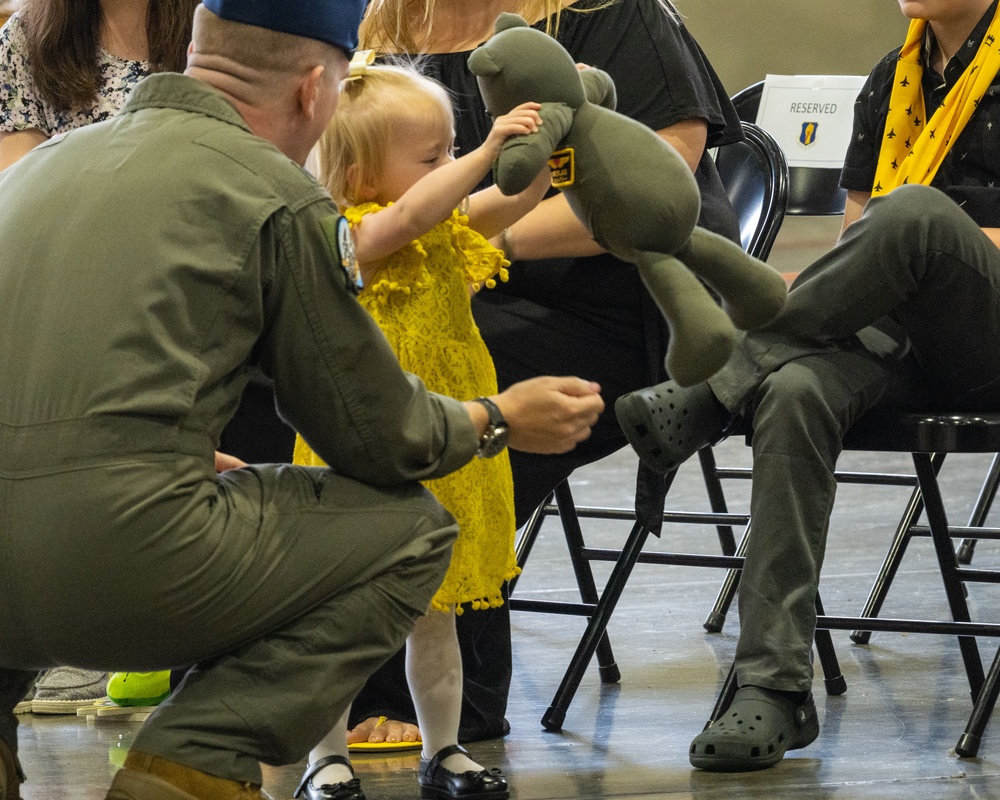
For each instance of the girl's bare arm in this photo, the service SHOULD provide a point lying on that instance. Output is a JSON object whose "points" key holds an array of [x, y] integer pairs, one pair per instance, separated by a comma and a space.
{"points": [[432, 199]]}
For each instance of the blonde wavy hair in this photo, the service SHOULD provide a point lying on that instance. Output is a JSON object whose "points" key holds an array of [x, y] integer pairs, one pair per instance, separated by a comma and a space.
{"points": [[388, 24], [371, 109]]}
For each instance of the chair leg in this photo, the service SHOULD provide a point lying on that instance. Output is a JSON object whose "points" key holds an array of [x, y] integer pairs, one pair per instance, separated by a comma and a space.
{"points": [[948, 562], [966, 549], [968, 744], [553, 718], [566, 510], [833, 678], [607, 666], [529, 535], [894, 557], [716, 618], [716, 498], [726, 695], [980, 511]]}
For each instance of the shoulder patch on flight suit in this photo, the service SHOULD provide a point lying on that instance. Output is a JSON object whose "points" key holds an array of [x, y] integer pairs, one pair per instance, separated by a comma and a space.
{"points": [[338, 234]]}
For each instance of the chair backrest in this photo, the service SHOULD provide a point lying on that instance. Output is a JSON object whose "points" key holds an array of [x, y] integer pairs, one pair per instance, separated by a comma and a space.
{"points": [[812, 191], [755, 175]]}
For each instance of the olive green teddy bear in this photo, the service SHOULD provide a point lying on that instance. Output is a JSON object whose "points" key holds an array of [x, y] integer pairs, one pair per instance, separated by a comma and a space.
{"points": [[632, 190]]}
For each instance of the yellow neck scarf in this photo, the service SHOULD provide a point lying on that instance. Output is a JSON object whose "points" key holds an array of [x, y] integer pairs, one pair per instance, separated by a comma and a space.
{"points": [[914, 147]]}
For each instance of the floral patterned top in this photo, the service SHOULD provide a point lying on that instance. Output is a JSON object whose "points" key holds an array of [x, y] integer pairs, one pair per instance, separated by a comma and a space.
{"points": [[22, 109]]}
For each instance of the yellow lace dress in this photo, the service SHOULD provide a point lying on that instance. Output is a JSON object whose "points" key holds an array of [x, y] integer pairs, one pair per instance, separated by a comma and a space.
{"points": [[420, 299]]}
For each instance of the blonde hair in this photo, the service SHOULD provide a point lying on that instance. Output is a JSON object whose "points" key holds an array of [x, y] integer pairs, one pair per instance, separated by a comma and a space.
{"points": [[388, 25], [371, 108]]}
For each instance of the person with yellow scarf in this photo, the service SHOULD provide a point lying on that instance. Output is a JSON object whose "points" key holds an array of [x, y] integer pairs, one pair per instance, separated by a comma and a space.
{"points": [[903, 312]]}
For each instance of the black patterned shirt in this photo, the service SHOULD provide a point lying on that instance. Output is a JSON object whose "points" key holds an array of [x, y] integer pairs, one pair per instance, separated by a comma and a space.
{"points": [[970, 173]]}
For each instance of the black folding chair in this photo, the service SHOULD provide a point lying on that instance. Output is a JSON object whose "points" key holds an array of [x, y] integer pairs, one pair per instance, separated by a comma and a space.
{"points": [[928, 438], [812, 192], [755, 174]]}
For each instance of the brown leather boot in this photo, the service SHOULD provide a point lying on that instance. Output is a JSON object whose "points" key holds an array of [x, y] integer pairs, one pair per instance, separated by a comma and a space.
{"points": [[148, 777], [10, 775]]}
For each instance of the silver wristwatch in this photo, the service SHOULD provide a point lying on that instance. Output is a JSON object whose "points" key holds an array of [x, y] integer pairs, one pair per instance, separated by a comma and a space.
{"points": [[494, 440]]}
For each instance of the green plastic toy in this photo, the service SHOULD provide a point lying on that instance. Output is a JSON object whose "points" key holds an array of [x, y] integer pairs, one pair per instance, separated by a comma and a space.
{"points": [[632, 190], [133, 689]]}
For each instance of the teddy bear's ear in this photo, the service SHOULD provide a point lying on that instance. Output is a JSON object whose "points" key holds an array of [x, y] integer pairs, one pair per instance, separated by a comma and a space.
{"points": [[507, 20], [481, 63]]}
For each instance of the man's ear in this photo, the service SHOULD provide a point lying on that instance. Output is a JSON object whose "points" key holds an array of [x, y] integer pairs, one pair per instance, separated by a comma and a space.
{"points": [[309, 88]]}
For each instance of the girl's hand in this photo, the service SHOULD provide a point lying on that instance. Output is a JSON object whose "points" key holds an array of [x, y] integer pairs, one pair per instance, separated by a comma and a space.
{"points": [[520, 120]]}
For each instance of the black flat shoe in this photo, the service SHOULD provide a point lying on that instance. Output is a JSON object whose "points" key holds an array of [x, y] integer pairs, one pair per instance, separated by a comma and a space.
{"points": [[438, 783], [348, 790]]}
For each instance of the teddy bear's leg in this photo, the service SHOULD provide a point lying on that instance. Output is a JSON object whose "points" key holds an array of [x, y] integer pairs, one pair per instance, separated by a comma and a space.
{"points": [[702, 336], [752, 292]]}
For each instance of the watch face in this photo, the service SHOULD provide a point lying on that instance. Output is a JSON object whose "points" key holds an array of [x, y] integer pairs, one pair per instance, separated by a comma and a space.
{"points": [[494, 442], [494, 439]]}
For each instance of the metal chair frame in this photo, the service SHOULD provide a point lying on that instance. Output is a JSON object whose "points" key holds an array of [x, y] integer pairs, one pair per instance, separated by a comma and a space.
{"points": [[758, 159], [928, 438]]}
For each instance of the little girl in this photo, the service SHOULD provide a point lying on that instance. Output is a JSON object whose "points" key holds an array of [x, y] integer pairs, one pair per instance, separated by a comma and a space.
{"points": [[387, 158]]}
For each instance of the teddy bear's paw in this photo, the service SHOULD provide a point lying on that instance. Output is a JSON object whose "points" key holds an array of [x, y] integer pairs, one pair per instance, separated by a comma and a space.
{"points": [[696, 355], [757, 299], [702, 335], [752, 292]]}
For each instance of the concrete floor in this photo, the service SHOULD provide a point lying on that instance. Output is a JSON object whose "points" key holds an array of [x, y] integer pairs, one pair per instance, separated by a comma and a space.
{"points": [[892, 735]]}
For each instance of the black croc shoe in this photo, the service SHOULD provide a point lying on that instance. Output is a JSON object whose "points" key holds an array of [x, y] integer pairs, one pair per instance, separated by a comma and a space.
{"points": [[755, 732], [438, 783], [666, 424], [348, 790]]}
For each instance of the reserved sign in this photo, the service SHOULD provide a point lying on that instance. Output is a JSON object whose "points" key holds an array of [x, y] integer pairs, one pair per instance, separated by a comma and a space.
{"points": [[810, 116]]}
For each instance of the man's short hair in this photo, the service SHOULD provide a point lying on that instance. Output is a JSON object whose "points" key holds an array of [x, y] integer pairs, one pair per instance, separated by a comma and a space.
{"points": [[260, 49]]}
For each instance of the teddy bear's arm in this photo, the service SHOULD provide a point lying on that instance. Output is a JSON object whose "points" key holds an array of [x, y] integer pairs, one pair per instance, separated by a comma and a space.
{"points": [[523, 156], [599, 87]]}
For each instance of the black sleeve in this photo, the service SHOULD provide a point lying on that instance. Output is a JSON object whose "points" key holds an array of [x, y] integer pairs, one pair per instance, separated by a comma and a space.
{"points": [[870, 112], [661, 74]]}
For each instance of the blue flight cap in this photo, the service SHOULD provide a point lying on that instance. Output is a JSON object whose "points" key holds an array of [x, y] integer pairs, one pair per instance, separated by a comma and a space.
{"points": [[332, 21]]}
